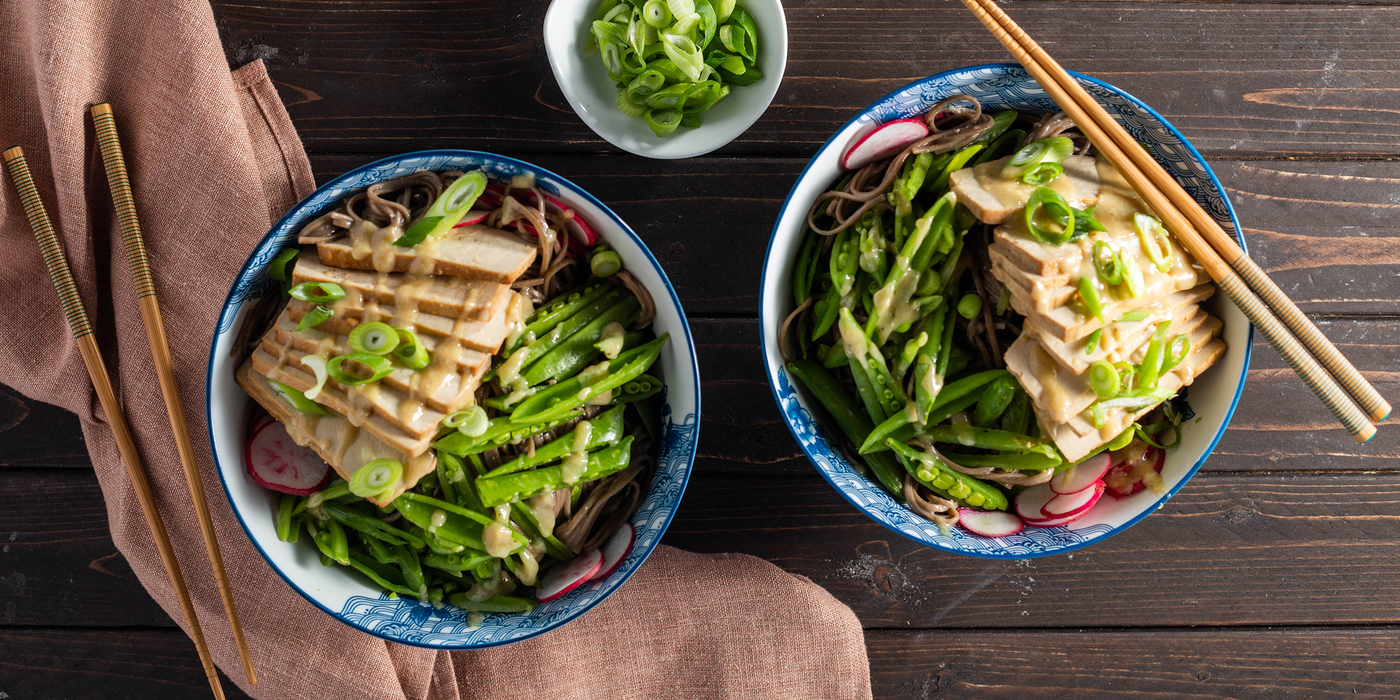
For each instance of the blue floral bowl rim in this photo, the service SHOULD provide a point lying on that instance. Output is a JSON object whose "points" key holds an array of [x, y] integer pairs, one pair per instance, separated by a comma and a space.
{"points": [[295, 211], [772, 371]]}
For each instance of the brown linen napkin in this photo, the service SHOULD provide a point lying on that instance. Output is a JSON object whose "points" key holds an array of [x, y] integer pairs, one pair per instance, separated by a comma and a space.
{"points": [[214, 160]]}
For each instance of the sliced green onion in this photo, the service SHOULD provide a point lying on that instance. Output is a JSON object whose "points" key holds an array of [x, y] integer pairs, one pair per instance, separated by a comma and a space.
{"points": [[686, 24], [317, 292], [1132, 276], [1089, 294], [410, 351], [1092, 342], [723, 9], [680, 7], [703, 96], [1151, 368], [447, 210], [1155, 241], [684, 53], [1042, 174], [1137, 401], [1051, 150], [605, 263], [471, 422], [1104, 379], [377, 477], [969, 306], [628, 107], [317, 365], [278, 268], [1132, 317], [734, 64], [1174, 427], [662, 121], [1056, 208], [298, 400], [1111, 269], [315, 317], [747, 44], [377, 338], [655, 13], [1177, 350], [379, 366]]}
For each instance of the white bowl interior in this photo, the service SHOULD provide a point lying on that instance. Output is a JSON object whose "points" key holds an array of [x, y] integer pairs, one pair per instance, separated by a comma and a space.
{"points": [[593, 95], [1213, 396], [352, 598]]}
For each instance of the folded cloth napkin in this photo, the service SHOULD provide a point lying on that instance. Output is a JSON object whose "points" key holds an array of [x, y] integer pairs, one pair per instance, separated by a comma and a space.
{"points": [[214, 160]]}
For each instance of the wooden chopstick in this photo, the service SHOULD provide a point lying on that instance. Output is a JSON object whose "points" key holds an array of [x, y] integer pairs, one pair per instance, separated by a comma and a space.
{"points": [[1360, 390], [72, 304], [1096, 125], [106, 128]]}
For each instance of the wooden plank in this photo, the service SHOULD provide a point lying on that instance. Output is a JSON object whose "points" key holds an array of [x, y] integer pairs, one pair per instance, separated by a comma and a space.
{"points": [[107, 665], [1244, 79], [1230, 549], [1330, 662], [1278, 425], [36, 434]]}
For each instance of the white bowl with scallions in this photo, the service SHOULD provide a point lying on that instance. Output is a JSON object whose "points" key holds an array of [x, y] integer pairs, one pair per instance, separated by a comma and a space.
{"points": [[584, 78]]}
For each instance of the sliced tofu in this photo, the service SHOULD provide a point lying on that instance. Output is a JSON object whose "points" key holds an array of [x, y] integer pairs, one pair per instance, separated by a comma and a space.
{"points": [[993, 199], [1057, 392], [446, 384], [485, 336], [1119, 340], [345, 447], [479, 252], [455, 297]]}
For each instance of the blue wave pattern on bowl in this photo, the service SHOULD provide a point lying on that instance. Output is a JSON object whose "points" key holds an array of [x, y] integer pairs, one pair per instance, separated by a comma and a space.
{"points": [[997, 87], [409, 621], [420, 623]]}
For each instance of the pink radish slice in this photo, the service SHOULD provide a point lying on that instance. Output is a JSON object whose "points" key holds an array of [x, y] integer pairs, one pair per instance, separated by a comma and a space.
{"points": [[492, 197], [578, 228], [614, 551], [259, 419], [1159, 458], [473, 217], [1030, 501], [277, 463], [1070, 504], [1081, 476], [886, 140], [1056, 522], [990, 523], [566, 576]]}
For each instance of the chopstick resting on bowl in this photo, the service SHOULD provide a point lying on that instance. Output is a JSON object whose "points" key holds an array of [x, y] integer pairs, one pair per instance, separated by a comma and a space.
{"points": [[1266, 306], [105, 125], [72, 303]]}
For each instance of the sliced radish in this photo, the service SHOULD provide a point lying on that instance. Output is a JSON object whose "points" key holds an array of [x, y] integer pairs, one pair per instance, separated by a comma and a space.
{"points": [[473, 217], [566, 576], [276, 462], [1056, 522], [1119, 473], [578, 228], [492, 197], [1030, 501], [615, 550], [1081, 476], [886, 140], [258, 421], [990, 523], [1070, 504]]}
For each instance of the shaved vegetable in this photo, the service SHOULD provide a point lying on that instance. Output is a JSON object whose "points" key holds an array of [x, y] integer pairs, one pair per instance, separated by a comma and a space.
{"points": [[376, 338], [376, 478], [448, 209], [379, 367]]}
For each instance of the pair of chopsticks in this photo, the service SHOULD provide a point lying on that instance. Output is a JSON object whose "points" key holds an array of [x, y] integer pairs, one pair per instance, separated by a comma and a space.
{"points": [[57, 264], [1266, 306]]}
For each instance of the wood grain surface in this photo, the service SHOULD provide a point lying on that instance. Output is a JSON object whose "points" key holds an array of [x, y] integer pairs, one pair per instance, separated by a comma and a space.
{"points": [[1271, 575]]}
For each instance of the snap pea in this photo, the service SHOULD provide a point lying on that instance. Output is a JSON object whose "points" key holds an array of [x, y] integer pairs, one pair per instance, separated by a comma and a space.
{"points": [[566, 328], [562, 398], [412, 570], [1017, 418], [574, 353], [640, 388], [500, 603], [502, 431], [945, 347], [286, 530], [956, 163], [524, 518], [915, 175], [987, 439], [446, 470], [926, 387], [380, 574], [825, 311], [455, 528], [458, 563], [952, 406], [844, 262], [996, 398], [805, 271], [887, 393], [1027, 461], [1004, 145], [378, 549], [1001, 121], [358, 520], [337, 543], [855, 424], [933, 473], [495, 490], [605, 429], [555, 312]]}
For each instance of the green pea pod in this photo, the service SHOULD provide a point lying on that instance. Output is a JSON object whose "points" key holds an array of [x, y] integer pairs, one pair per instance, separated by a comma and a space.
{"points": [[640, 388], [917, 174], [957, 163], [898, 426], [996, 398], [826, 311], [573, 354], [287, 530], [855, 424], [495, 490], [946, 410], [1024, 461], [378, 549], [1017, 418], [371, 526], [455, 528], [338, 542], [456, 564], [939, 477], [844, 262], [1004, 145], [566, 328], [385, 577], [502, 431], [805, 271], [1001, 121], [987, 439], [545, 318], [412, 570], [500, 603], [568, 395], [606, 429]]}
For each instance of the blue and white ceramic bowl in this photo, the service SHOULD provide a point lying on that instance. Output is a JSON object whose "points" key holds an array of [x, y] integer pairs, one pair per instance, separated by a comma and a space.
{"points": [[1213, 396], [342, 593]]}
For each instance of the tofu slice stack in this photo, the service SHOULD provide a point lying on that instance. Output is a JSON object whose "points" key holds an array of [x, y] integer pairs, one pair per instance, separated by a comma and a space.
{"points": [[454, 293], [1049, 358]]}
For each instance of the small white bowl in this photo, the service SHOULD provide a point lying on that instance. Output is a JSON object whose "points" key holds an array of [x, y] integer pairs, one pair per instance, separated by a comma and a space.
{"points": [[594, 96]]}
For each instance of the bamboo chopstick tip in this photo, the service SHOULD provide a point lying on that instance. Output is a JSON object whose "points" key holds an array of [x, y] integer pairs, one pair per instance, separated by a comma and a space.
{"points": [[12, 153], [1367, 432], [100, 108]]}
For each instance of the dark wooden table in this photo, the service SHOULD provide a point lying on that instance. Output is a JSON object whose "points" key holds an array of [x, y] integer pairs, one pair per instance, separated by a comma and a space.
{"points": [[1270, 575]]}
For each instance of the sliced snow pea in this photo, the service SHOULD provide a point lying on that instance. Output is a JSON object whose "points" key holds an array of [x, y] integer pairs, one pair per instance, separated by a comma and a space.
{"points": [[500, 603], [559, 400], [937, 476], [501, 431], [987, 439], [605, 429], [574, 353], [852, 421], [996, 398], [495, 490]]}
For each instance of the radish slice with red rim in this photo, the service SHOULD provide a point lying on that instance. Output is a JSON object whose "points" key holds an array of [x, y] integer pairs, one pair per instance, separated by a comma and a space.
{"points": [[568, 575], [615, 550], [886, 140], [990, 523], [1081, 476], [1120, 471], [277, 463], [1069, 504], [578, 228], [473, 218], [1030, 501]]}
